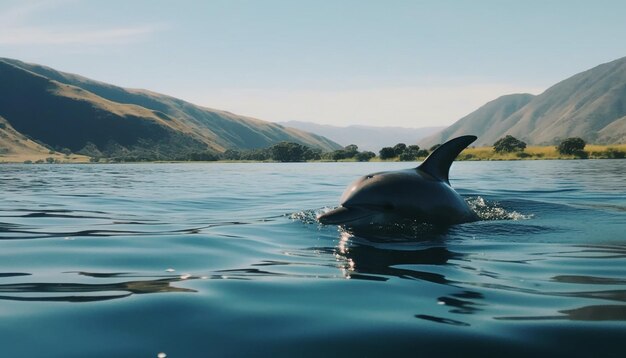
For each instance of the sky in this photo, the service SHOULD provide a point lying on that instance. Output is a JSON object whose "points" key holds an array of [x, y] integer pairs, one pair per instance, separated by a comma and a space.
{"points": [[342, 62]]}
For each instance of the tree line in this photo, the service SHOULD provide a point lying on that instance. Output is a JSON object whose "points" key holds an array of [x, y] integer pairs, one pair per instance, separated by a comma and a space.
{"points": [[295, 152], [280, 152], [574, 146]]}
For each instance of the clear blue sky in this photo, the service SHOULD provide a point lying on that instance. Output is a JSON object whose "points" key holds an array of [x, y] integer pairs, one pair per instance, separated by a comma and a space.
{"points": [[407, 63]]}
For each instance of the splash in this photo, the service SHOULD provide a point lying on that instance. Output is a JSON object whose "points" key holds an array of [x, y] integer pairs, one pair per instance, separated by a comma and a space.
{"points": [[308, 216], [487, 210], [407, 230]]}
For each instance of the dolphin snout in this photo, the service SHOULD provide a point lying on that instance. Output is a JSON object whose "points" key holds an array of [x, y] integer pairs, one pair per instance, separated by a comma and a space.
{"points": [[343, 215]]}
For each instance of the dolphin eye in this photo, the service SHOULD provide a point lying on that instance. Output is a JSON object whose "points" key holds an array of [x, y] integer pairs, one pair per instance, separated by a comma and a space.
{"points": [[369, 176]]}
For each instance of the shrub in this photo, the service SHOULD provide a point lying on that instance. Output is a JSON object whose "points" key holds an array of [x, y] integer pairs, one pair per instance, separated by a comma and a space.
{"points": [[338, 154], [288, 152], [351, 150], [365, 156], [613, 153], [399, 149], [387, 153], [230, 154], [434, 147], [571, 146], [508, 144], [609, 153], [408, 156]]}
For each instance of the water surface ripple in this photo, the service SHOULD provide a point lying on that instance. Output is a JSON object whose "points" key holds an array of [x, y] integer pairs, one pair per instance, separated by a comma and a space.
{"points": [[225, 259]]}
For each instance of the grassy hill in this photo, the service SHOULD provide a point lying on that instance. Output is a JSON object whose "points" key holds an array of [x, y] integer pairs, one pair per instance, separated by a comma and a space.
{"points": [[590, 105], [17, 148], [70, 111]]}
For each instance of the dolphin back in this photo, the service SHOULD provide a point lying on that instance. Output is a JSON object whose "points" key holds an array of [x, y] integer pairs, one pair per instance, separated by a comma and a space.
{"points": [[438, 162]]}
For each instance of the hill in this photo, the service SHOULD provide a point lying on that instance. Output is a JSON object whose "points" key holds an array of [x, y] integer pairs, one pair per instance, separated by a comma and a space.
{"points": [[366, 137], [70, 111], [15, 147], [590, 105]]}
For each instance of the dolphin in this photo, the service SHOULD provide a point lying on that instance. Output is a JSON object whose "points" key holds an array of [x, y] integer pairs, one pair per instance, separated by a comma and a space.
{"points": [[421, 194]]}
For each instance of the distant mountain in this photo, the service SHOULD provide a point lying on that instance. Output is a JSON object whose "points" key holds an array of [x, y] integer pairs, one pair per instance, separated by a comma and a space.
{"points": [[366, 137], [590, 105], [483, 119], [70, 111]]}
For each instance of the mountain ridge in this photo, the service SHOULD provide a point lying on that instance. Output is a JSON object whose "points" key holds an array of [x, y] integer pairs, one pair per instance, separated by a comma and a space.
{"points": [[36, 100], [590, 105]]}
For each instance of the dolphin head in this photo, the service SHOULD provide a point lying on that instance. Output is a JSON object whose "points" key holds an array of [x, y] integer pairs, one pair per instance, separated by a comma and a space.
{"points": [[374, 198]]}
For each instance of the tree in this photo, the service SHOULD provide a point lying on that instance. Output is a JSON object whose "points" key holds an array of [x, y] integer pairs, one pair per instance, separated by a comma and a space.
{"points": [[365, 156], [571, 146], [434, 147], [288, 152], [399, 149], [231, 154], [312, 153], [509, 144], [387, 153], [336, 155], [408, 156], [412, 152], [351, 150]]}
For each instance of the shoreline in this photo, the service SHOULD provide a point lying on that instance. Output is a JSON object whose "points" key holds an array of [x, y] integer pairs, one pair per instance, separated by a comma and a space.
{"points": [[593, 151]]}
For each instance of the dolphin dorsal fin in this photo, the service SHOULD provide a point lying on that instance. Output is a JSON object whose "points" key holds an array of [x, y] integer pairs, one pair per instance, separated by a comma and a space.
{"points": [[438, 162]]}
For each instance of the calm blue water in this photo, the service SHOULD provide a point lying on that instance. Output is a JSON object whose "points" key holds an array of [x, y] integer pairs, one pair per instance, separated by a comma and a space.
{"points": [[199, 260]]}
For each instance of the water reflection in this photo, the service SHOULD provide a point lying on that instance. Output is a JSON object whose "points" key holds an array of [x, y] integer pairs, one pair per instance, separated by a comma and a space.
{"points": [[369, 262], [442, 320], [586, 313], [366, 259], [470, 285], [363, 259], [78, 292]]}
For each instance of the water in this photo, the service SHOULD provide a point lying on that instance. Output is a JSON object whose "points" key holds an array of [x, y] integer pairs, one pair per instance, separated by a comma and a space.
{"points": [[199, 260]]}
